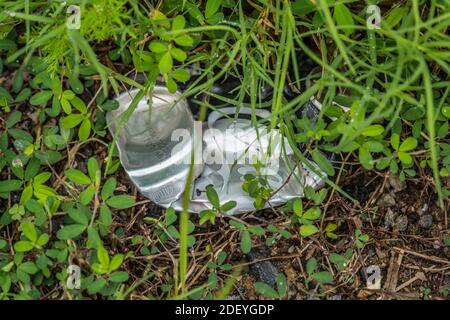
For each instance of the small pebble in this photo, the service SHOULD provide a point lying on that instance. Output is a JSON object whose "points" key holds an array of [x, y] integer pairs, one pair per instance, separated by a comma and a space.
{"points": [[413, 217], [389, 218], [396, 183], [401, 223], [387, 200], [263, 271], [426, 221], [436, 244], [423, 209]]}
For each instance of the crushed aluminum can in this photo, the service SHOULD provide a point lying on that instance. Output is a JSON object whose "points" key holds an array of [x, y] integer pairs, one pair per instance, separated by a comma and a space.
{"points": [[158, 162], [146, 145]]}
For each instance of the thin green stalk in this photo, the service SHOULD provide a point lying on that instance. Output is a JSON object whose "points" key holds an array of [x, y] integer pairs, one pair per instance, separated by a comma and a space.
{"points": [[431, 130], [330, 23]]}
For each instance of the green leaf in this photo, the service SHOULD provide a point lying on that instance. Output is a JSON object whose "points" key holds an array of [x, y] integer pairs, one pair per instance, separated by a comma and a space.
{"points": [[228, 206], [120, 202], [211, 7], [373, 130], [158, 46], [41, 98], [181, 75], [331, 227], [338, 260], [323, 162], [266, 290], [311, 265], [13, 118], [20, 134], [446, 111], [29, 231], [171, 85], [85, 129], [23, 95], [77, 176], [76, 85], [259, 231], [71, 120], [10, 185], [396, 16], [93, 168], [108, 188], [36, 208], [298, 207], [70, 231], [158, 16], [312, 214], [165, 64], [207, 215], [395, 141], [42, 240], [194, 12], [116, 262], [308, 230], [93, 238], [212, 196], [365, 158], [404, 157], [443, 130], [118, 276], [29, 267], [23, 246], [98, 268], [246, 242], [32, 168], [237, 224], [178, 23], [102, 256], [79, 105], [281, 285], [343, 17], [96, 286], [409, 144], [215, 18], [178, 54], [110, 105], [373, 146], [67, 107], [184, 40], [42, 178], [69, 95], [79, 216], [3, 244], [303, 7], [105, 215], [323, 277], [350, 146]]}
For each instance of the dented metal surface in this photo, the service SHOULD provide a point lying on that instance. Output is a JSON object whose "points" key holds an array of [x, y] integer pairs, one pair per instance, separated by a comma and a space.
{"points": [[156, 150]]}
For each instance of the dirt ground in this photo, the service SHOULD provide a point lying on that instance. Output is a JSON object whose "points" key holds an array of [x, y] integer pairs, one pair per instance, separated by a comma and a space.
{"points": [[407, 231], [408, 240]]}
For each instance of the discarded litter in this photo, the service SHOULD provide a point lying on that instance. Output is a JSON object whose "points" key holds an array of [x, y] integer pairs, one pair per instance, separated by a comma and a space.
{"points": [[157, 146]]}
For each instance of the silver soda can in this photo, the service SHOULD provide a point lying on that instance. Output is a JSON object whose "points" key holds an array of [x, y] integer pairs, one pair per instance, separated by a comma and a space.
{"points": [[156, 161], [231, 145]]}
